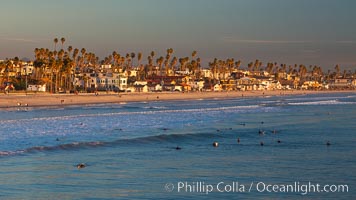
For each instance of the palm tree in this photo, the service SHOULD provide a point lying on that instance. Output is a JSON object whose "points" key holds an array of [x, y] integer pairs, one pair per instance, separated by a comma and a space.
{"points": [[150, 66], [114, 58], [166, 66], [82, 51], [170, 51], [181, 62], [269, 68], [213, 67], [159, 62], [139, 57], [173, 64], [337, 69], [194, 53], [51, 65], [70, 49], [55, 43], [238, 64], [302, 71], [199, 67], [9, 65], [140, 68], [58, 67], [249, 66], [2, 67], [256, 65], [132, 55], [344, 74], [62, 41]]}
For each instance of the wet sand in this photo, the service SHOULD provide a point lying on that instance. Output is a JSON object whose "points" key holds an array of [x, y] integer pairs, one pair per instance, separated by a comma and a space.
{"points": [[45, 99]]}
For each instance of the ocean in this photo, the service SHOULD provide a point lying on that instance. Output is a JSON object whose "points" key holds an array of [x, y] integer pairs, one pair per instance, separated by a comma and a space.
{"points": [[268, 148]]}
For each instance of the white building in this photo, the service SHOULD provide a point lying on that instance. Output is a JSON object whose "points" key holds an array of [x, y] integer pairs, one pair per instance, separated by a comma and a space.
{"points": [[207, 73], [27, 68], [37, 88], [217, 87], [105, 66]]}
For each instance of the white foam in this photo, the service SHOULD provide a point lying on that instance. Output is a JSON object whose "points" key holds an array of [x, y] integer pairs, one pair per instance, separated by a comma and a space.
{"points": [[329, 102], [306, 98], [135, 113]]}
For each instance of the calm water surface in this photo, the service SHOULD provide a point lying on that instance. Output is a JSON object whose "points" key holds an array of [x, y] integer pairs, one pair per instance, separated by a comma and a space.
{"points": [[130, 149]]}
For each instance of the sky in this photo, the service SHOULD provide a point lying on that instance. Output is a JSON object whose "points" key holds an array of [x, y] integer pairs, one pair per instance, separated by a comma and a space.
{"points": [[309, 32]]}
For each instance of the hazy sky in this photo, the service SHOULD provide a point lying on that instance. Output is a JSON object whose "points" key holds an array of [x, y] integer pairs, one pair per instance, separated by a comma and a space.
{"points": [[318, 32]]}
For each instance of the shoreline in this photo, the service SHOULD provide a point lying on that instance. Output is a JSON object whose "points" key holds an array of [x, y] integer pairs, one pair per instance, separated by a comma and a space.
{"points": [[45, 99]]}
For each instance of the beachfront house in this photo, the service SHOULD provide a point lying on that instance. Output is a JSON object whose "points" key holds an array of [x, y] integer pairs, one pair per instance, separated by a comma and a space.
{"points": [[169, 82], [132, 73], [247, 84], [341, 83], [308, 85], [121, 82], [27, 68], [218, 88], [287, 84], [111, 82], [206, 73], [199, 85], [157, 87], [261, 82], [103, 82], [265, 84], [186, 87], [228, 85], [140, 86], [276, 85]]}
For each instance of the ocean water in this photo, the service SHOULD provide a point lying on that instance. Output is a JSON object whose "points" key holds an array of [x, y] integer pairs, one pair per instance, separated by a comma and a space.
{"points": [[129, 149]]}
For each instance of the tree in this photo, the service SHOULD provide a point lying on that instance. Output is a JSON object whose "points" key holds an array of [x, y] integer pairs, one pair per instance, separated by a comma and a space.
{"points": [[132, 55], [55, 43], [149, 66], [75, 58], [2, 67], [337, 69], [194, 53], [159, 62], [199, 67], [302, 71], [173, 64], [213, 67], [250, 66], [62, 41], [83, 51], [139, 57], [238, 64], [70, 48], [58, 66], [8, 67], [114, 57]]}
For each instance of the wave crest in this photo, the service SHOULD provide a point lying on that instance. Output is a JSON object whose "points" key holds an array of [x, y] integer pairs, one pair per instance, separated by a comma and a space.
{"points": [[163, 138], [329, 102]]}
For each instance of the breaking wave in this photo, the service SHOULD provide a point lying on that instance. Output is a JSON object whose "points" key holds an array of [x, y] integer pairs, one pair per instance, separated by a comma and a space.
{"points": [[145, 112], [164, 138], [328, 102]]}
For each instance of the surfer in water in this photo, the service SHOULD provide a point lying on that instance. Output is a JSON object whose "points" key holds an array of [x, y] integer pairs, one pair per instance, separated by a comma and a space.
{"points": [[81, 165]]}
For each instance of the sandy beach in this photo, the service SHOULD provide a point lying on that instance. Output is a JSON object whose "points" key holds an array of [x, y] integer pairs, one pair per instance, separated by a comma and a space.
{"points": [[45, 99]]}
